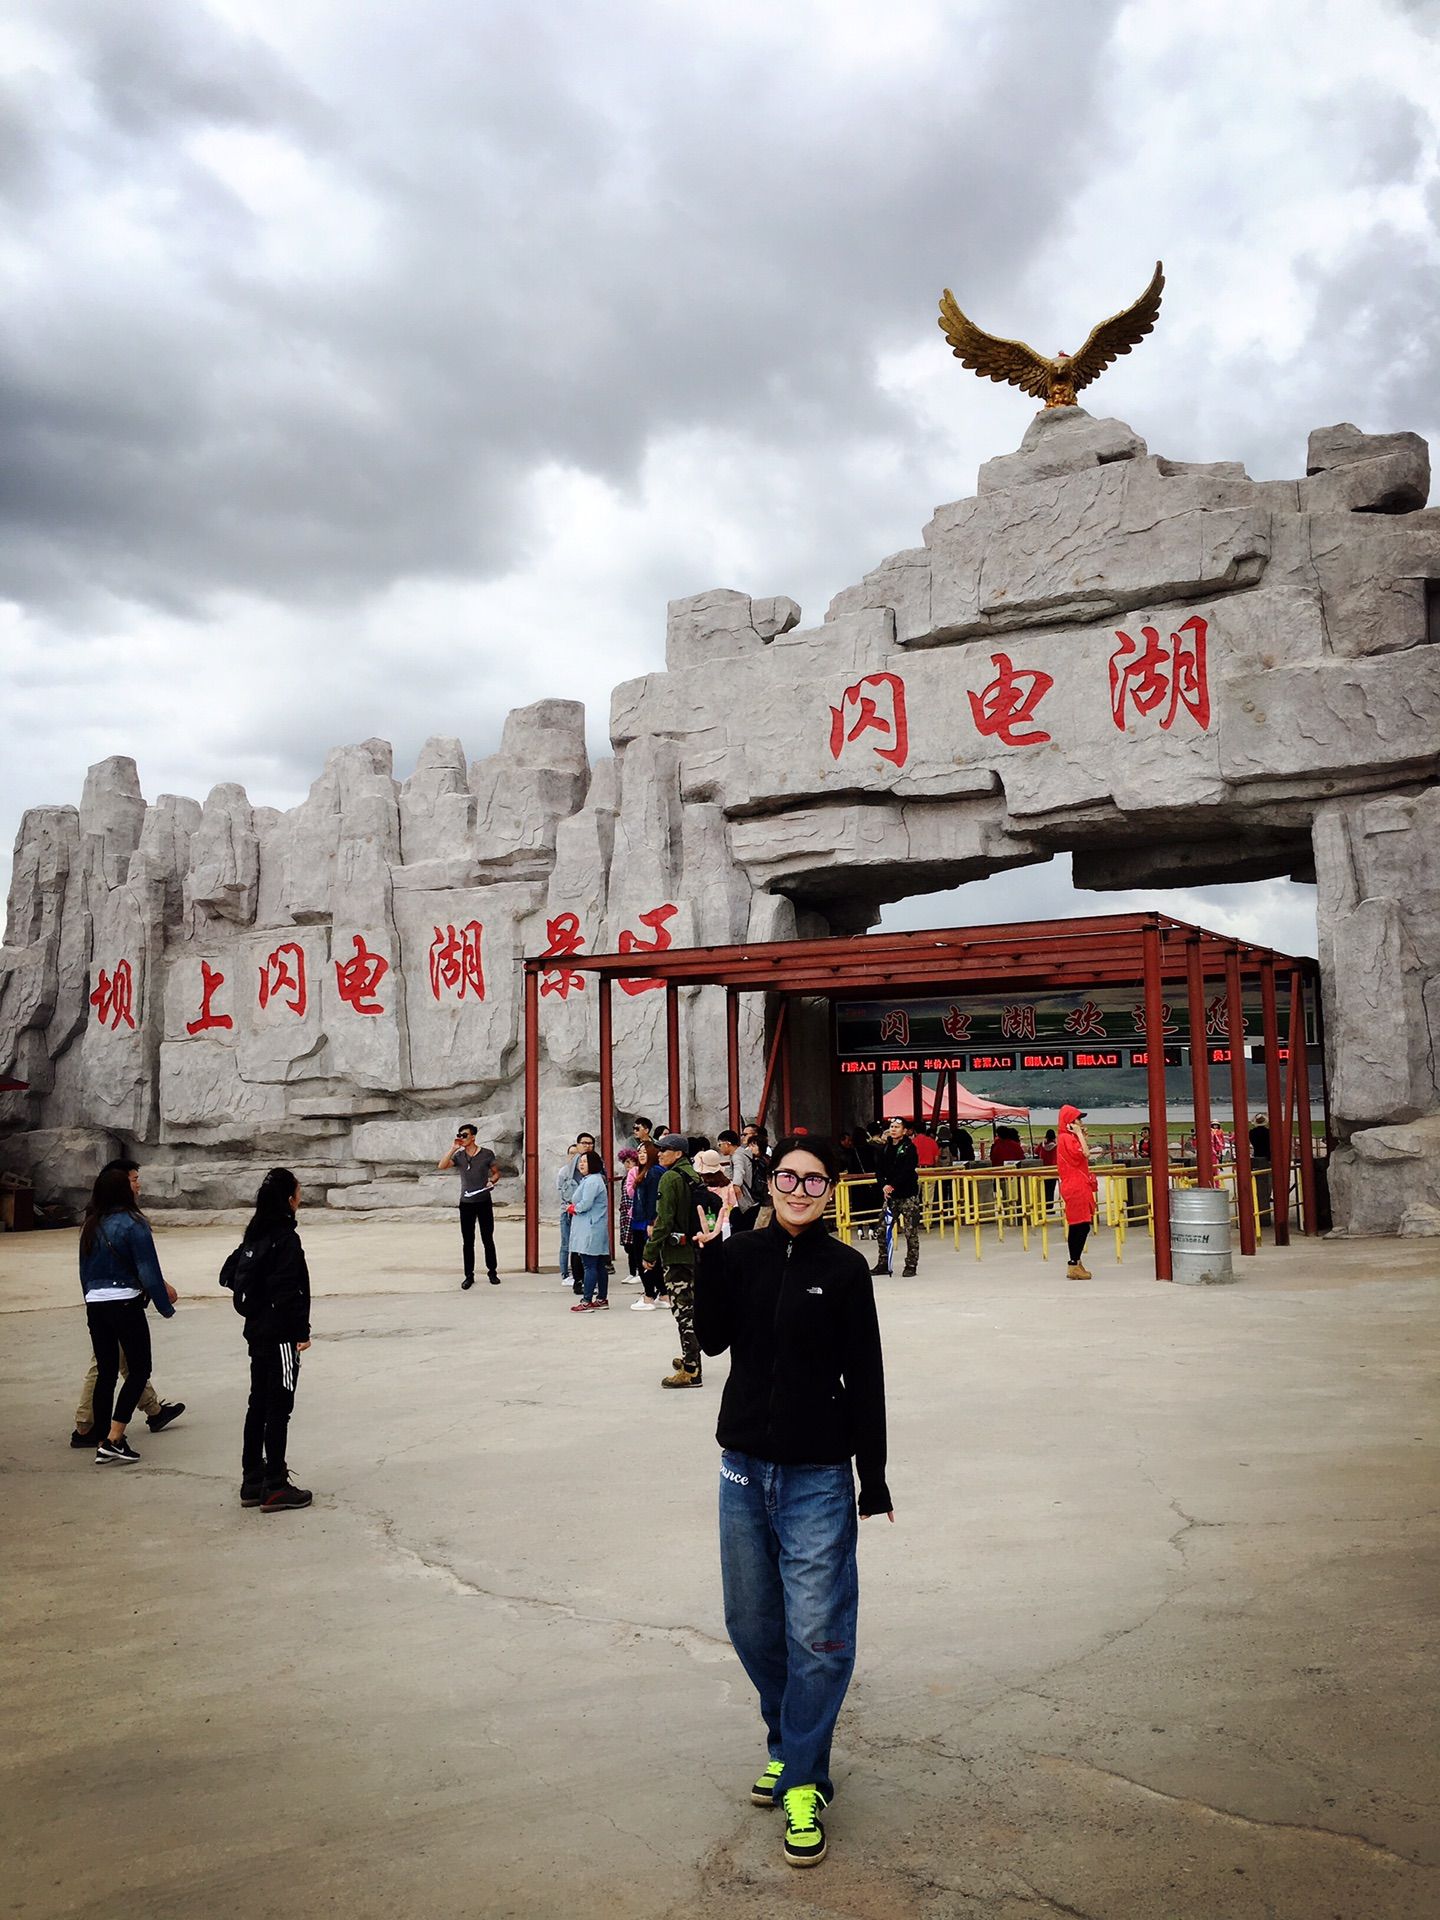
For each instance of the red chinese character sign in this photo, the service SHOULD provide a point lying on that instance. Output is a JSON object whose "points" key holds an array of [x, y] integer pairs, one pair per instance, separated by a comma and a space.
{"points": [[1009, 703], [211, 981], [282, 979], [357, 978], [1161, 674], [895, 1026], [657, 920], [455, 962], [563, 937], [872, 714], [114, 997], [1017, 1022], [1086, 1022]]}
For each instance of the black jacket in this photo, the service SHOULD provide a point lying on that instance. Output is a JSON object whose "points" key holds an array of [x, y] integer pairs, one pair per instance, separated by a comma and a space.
{"points": [[897, 1165], [807, 1382], [283, 1287]]}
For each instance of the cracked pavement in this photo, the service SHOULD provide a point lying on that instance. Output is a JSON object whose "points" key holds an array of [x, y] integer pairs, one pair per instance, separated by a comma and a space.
{"points": [[1154, 1636]]}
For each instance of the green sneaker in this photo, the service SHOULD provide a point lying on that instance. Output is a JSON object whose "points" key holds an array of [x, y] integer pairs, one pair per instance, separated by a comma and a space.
{"points": [[804, 1835], [763, 1791]]}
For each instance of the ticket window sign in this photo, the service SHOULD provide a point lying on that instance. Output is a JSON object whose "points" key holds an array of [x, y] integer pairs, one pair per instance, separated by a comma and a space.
{"points": [[1221, 1056], [1108, 1057], [1140, 1056], [992, 1063], [857, 1066]]}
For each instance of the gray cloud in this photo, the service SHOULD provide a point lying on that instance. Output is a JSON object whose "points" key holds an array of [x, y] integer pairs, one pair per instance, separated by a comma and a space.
{"points": [[340, 341]]}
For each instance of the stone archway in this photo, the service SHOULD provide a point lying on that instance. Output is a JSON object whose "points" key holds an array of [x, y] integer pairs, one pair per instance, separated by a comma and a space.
{"points": [[1175, 673]]}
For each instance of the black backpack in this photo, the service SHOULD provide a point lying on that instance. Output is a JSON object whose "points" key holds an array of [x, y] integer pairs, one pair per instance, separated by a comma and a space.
{"points": [[243, 1276]]}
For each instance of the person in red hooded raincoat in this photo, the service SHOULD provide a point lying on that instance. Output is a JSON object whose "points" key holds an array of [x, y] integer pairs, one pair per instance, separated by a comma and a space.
{"points": [[1078, 1188]]}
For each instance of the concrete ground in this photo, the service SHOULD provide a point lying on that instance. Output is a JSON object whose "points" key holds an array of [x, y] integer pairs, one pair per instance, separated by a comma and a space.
{"points": [[1153, 1636]]}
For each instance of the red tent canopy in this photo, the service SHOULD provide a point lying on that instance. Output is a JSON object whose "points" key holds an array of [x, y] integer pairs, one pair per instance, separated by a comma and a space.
{"points": [[900, 1104]]}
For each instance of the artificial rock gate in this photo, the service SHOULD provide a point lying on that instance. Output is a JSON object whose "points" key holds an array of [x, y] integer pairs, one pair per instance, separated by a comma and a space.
{"points": [[1178, 674]]}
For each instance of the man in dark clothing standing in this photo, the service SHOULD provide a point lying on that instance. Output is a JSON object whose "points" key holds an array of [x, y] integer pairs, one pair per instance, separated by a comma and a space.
{"points": [[479, 1171], [897, 1168], [671, 1245]]}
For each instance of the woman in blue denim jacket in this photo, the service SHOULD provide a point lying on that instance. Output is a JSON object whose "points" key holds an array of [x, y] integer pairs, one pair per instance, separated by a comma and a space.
{"points": [[119, 1277], [590, 1231]]}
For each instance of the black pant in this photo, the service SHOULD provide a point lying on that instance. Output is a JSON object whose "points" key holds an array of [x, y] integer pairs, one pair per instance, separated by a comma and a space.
{"points": [[651, 1280], [483, 1211], [1075, 1238], [274, 1370], [115, 1324]]}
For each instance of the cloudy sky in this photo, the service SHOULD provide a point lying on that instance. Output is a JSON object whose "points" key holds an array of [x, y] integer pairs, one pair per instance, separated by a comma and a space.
{"points": [[374, 368]]}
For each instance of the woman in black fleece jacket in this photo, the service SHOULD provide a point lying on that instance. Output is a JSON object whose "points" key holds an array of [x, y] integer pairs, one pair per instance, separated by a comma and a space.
{"points": [[277, 1332], [806, 1395]]}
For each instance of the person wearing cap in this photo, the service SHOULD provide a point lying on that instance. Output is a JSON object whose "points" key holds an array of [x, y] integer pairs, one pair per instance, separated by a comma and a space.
{"points": [[671, 1247], [1078, 1188]]}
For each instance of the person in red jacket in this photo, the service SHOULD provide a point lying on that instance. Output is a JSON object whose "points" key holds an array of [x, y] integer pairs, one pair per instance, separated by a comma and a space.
{"points": [[1078, 1188]]}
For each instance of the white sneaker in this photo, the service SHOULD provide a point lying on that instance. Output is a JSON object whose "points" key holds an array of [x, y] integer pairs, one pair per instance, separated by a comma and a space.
{"points": [[644, 1306], [633, 1280]]}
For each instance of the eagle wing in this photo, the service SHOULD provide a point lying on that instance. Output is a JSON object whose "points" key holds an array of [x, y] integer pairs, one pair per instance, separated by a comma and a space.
{"points": [[1118, 334], [984, 353]]}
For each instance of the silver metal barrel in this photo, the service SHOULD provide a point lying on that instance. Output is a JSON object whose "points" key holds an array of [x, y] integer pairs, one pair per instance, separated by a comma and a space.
{"points": [[1200, 1236]]}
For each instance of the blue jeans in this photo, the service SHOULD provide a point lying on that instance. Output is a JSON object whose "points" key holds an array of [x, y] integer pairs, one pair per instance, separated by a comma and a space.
{"points": [[597, 1277], [564, 1245], [792, 1596]]}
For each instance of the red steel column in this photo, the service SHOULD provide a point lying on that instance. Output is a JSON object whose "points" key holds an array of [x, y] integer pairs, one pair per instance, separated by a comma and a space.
{"points": [[1270, 1026], [762, 1112], [672, 1051], [607, 1101], [1199, 1062], [532, 1120], [1302, 1088], [1240, 1106], [1159, 1112], [917, 1097], [732, 1054], [1297, 1034], [787, 1117]]}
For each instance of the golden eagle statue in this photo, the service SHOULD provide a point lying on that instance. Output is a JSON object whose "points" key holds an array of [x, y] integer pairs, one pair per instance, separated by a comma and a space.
{"points": [[1057, 381]]}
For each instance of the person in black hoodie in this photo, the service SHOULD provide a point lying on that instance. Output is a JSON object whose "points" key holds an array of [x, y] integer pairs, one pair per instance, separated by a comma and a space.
{"points": [[806, 1395], [277, 1332]]}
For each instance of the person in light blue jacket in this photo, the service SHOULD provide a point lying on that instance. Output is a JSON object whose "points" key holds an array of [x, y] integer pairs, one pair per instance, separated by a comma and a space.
{"points": [[590, 1232], [119, 1277]]}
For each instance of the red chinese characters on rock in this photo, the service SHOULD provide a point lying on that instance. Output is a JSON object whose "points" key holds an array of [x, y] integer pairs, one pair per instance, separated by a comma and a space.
{"points": [[895, 1026], [657, 920], [1086, 1021], [211, 980], [1160, 673], [1009, 702], [1017, 1023], [357, 978], [880, 711], [957, 1024], [282, 978], [455, 961], [114, 997], [563, 937]]}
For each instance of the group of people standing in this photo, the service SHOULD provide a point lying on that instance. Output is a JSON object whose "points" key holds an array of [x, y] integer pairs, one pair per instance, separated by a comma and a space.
{"points": [[120, 1279]]}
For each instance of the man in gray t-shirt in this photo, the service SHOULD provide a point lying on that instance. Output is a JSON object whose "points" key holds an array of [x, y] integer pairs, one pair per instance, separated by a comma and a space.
{"points": [[479, 1171]]}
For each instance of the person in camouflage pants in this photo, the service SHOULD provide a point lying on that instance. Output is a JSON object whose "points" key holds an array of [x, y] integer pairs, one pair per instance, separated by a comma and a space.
{"points": [[672, 1244], [897, 1169]]}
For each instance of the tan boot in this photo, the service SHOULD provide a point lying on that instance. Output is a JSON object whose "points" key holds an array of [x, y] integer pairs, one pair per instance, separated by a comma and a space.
{"points": [[1076, 1272], [681, 1378]]}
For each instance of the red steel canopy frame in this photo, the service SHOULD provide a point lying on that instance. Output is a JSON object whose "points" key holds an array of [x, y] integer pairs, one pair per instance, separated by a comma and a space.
{"points": [[1142, 950]]}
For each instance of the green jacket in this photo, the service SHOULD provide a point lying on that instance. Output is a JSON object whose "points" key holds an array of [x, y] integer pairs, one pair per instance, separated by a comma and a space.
{"points": [[674, 1213]]}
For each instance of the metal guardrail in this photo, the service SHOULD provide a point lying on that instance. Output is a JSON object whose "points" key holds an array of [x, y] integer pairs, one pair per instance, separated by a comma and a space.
{"points": [[1010, 1199]]}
